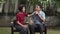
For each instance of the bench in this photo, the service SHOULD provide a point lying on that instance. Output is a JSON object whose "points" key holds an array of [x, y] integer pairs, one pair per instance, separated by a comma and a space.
{"points": [[13, 29]]}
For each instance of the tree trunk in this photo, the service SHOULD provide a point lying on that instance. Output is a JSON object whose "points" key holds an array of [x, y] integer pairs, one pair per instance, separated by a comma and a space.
{"points": [[16, 5]]}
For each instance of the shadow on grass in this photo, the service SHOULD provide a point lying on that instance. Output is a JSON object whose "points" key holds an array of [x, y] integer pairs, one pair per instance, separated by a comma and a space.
{"points": [[54, 28]]}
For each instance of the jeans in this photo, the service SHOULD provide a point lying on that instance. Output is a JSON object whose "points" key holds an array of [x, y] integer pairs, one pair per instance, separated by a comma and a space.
{"points": [[40, 27], [21, 29]]}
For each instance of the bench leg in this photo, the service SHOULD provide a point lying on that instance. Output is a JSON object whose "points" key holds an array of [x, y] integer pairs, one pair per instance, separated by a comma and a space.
{"points": [[12, 30], [45, 32]]}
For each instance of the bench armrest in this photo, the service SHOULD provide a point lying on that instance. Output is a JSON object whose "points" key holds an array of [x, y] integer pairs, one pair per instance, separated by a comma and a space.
{"points": [[12, 24]]}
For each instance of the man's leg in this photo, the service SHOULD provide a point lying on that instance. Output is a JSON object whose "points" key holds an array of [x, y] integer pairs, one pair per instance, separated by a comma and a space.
{"points": [[40, 28], [45, 28], [32, 29]]}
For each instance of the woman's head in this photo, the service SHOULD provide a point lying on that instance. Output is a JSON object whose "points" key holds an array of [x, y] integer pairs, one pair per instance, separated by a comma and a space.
{"points": [[21, 8]]}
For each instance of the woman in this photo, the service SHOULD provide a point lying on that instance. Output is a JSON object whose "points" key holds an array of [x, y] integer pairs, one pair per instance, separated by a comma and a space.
{"points": [[20, 20]]}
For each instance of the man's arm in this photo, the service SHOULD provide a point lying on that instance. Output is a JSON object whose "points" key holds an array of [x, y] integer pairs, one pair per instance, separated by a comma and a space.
{"points": [[42, 19]]}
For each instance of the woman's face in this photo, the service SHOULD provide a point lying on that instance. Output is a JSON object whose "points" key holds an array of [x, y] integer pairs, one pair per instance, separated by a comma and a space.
{"points": [[23, 9]]}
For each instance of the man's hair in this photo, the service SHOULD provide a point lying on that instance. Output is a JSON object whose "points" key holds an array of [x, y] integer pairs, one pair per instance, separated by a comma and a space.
{"points": [[20, 7], [39, 5]]}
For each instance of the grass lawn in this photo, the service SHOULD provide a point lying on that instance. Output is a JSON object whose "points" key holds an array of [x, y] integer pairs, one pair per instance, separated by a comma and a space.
{"points": [[7, 30]]}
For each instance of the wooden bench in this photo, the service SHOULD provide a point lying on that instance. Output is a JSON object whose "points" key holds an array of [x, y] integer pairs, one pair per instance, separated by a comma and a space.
{"points": [[13, 29]]}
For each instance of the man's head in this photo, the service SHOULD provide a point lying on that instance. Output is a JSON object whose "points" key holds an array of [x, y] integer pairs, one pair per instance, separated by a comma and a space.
{"points": [[38, 7]]}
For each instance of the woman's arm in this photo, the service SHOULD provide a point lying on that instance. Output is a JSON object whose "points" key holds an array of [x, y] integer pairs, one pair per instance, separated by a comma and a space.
{"points": [[31, 14], [31, 21], [20, 23]]}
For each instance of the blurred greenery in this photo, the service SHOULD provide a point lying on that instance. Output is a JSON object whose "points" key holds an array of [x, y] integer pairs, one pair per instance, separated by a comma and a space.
{"points": [[58, 14], [58, 4], [0, 0], [57, 0]]}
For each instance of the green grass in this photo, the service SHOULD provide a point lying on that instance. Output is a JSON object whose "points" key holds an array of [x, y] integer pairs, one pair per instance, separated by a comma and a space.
{"points": [[6, 30]]}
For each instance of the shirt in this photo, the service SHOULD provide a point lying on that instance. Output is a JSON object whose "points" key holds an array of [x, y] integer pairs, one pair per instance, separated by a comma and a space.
{"points": [[36, 19], [21, 17]]}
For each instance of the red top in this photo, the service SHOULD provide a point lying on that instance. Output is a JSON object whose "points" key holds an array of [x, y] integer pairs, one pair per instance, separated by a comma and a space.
{"points": [[21, 17]]}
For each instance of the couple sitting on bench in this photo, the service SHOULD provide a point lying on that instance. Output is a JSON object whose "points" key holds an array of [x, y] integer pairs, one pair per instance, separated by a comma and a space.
{"points": [[37, 20]]}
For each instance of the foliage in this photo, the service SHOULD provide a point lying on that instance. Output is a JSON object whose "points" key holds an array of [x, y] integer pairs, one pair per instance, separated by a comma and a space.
{"points": [[58, 14], [50, 9], [57, 0], [58, 4], [0, 0], [33, 2], [22, 1]]}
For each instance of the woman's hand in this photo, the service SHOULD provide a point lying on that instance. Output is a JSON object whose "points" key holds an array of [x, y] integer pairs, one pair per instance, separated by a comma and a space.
{"points": [[31, 21], [29, 15], [25, 26]]}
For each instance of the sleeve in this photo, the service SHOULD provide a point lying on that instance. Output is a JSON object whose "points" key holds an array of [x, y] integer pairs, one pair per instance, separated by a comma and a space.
{"points": [[25, 13], [43, 15], [17, 18], [33, 13]]}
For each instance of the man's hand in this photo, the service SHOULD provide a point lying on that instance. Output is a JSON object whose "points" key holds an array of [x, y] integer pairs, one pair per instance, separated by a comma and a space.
{"points": [[41, 19], [36, 12]]}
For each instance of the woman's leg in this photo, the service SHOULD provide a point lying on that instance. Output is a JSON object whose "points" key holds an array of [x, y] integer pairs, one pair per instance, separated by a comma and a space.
{"points": [[24, 31], [21, 29]]}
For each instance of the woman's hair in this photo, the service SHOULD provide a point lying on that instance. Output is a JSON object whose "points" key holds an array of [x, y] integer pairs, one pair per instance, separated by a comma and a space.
{"points": [[20, 7]]}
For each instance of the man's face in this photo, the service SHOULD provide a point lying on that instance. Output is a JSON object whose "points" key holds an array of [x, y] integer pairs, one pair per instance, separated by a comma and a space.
{"points": [[37, 8]]}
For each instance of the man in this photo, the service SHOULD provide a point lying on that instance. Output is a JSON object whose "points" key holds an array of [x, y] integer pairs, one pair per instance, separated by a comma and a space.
{"points": [[38, 20]]}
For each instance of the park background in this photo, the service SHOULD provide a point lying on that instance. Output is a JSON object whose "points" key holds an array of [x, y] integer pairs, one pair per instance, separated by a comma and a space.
{"points": [[9, 8]]}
